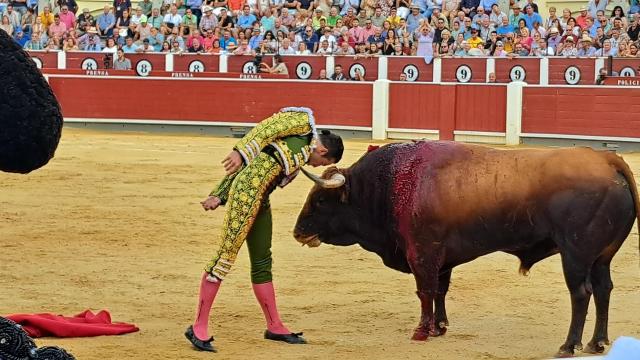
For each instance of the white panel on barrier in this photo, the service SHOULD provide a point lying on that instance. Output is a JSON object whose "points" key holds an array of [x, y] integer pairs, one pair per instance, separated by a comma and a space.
{"points": [[223, 64], [437, 70], [62, 60], [514, 112], [380, 110]]}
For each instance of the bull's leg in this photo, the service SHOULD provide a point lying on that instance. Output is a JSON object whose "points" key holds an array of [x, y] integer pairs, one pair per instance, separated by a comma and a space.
{"points": [[426, 271], [576, 274], [441, 313], [602, 286]]}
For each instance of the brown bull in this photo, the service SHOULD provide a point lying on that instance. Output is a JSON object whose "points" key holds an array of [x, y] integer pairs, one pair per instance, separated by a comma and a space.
{"points": [[426, 207]]}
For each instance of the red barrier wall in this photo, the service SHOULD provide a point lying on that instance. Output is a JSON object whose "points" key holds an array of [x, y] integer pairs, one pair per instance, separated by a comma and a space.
{"points": [[349, 64], [626, 66], [478, 69], [558, 67], [447, 108], [415, 68], [48, 60], [195, 63], [481, 108], [243, 101], [522, 69], [563, 110]]}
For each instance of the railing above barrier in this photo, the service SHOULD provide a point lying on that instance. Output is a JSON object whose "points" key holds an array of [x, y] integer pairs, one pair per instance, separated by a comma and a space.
{"points": [[532, 70]]}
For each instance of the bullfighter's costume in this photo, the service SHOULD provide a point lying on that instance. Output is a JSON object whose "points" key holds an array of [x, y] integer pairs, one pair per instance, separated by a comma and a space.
{"points": [[273, 152]]}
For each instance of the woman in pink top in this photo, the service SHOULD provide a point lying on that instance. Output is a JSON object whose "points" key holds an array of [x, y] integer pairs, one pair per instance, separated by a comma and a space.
{"points": [[525, 38]]}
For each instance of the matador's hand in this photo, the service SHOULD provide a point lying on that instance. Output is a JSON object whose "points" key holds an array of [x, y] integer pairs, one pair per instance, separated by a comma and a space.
{"points": [[211, 203], [232, 162]]}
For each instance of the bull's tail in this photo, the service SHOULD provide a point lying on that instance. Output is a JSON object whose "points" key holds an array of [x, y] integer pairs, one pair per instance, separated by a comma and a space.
{"points": [[620, 165]]}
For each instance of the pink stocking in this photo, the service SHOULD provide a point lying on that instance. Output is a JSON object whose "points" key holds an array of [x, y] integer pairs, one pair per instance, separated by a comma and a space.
{"points": [[208, 291], [266, 296]]}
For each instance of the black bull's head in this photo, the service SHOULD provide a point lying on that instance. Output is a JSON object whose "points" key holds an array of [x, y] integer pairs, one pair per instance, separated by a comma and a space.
{"points": [[325, 211], [30, 117]]}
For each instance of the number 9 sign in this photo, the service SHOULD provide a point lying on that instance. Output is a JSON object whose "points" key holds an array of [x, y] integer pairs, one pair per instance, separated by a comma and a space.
{"points": [[572, 75], [517, 73], [463, 73], [303, 70], [412, 72]]}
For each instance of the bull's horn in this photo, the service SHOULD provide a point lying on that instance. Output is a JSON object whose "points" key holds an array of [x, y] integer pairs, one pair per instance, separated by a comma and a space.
{"points": [[335, 181]]}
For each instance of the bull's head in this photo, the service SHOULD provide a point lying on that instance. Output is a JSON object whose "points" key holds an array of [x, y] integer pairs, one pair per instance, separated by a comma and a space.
{"points": [[324, 214]]}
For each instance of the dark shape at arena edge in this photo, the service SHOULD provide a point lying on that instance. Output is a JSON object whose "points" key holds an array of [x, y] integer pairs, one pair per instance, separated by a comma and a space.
{"points": [[30, 116], [15, 344]]}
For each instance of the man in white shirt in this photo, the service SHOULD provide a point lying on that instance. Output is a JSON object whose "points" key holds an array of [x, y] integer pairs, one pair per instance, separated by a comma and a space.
{"points": [[285, 48], [329, 38], [173, 19]]}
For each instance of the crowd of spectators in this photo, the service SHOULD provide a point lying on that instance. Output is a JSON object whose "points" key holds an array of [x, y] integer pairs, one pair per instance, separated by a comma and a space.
{"points": [[427, 28]]}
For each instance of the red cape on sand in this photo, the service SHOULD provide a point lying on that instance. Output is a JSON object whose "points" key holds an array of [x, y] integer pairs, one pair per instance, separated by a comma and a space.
{"points": [[81, 325]]}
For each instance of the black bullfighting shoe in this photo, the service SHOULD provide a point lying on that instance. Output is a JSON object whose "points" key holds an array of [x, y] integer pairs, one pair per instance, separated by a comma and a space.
{"points": [[203, 345], [293, 338]]}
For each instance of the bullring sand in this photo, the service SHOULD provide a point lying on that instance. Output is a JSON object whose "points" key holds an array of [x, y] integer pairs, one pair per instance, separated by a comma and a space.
{"points": [[114, 222]]}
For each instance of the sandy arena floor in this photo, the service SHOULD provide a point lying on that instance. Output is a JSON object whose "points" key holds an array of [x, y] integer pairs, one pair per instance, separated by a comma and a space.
{"points": [[114, 222]]}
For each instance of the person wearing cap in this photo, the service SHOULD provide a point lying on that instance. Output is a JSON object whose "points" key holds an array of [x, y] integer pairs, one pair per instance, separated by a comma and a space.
{"points": [[143, 31], [567, 48], [475, 39], [208, 21], [586, 46], [414, 18], [498, 50], [85, 19], [90, 41], [581, 20], [515, 16], [554, 39]]}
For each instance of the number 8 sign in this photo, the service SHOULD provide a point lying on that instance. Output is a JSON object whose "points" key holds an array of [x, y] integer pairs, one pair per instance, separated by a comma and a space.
{"points": [[463, 73]]}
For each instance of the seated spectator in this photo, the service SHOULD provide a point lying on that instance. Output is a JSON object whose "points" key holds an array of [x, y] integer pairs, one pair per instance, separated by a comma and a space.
{"points": [[146, 6], [345, 49], [143, 31], [58, 28], [172, 19], [567, 48], [138, 17], [227, 42], [498, 50], [491, 78], [106, 22], [195, 36], [70, 45], [496, 16], [214, 48], [189, 23], [90, 41], [324, 48], [129, 47], [124, 25], [146, 47], [476, 51], [67, 17], [86, 19], [121, 62], [175, 47], [474, 40], [21, 38], [586, 47], [322, 75], [35, 43], [337, 74], [6, 25], [155, 20], [244, 49], [46, 17], [302, 49], [374, 50], [278, 66], [175, 36], [196, 47], [246, 20], [110, 46], [286, 48], [377, 37], [606, 50], [463, 49], [633, 51]]}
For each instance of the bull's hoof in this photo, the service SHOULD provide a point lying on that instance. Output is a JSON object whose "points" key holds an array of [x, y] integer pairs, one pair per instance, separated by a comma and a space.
{"points": [[420, 334], [596, 347], [440, 330], [567, 350]]}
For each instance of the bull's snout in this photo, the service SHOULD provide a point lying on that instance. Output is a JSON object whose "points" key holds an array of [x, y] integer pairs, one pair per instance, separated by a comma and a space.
{"points": [[306, 239]]}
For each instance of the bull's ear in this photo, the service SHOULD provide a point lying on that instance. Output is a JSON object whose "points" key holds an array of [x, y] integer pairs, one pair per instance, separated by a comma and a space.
{"points": [[30, 117], [330, 171]]}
